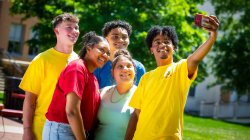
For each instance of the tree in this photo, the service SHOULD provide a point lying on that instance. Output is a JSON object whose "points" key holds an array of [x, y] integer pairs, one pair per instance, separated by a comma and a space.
{"points": [[232, 57], [140, 14]]}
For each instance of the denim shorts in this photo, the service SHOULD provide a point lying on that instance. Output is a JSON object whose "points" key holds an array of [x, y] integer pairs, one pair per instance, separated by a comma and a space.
{"points": [[57, 131]]}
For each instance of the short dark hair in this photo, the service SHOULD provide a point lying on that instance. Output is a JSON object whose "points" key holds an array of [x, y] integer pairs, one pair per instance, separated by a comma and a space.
{"points": [[168, 31], [108, 26], [64, 17], [90, 39]]}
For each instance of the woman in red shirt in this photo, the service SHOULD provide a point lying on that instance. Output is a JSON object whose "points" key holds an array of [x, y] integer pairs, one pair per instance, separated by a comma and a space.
{"points": [[76, 98]]}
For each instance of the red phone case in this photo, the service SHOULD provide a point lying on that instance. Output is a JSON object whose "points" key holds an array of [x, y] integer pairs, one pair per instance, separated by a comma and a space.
{"points": [[198, 20], [201, 21]]}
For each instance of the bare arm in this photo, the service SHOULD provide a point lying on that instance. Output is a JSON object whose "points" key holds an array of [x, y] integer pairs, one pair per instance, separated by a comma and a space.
{"points": [[74, 116], [29, 106], [194, 59], [132, 125]]}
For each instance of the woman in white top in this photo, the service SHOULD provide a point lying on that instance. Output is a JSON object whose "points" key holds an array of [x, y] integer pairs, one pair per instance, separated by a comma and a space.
{"points": [[114, 112]]}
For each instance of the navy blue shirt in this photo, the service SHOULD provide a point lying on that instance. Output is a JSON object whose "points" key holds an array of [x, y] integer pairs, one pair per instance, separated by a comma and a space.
{"points": [[105, 78]]}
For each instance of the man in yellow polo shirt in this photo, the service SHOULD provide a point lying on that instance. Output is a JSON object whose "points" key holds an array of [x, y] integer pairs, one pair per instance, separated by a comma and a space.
{"points": [[42, 74], [161, 95]]}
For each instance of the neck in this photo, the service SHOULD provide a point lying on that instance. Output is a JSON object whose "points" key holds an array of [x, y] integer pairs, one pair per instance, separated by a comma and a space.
{"points": [[67, 49], [123, 88], [163, 62], [89, 64], [111, 58]]}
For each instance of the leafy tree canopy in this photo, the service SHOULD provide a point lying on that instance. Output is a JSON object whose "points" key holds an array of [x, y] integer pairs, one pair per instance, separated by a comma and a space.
{"points": [[232, 57], [141, 14]]}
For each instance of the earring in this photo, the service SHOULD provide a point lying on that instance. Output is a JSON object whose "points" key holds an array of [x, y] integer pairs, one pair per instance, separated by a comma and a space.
{"points": [[152, 52]]}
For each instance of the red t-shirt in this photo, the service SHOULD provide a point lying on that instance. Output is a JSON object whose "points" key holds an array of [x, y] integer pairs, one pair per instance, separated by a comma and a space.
{"points": [[75, 78]]}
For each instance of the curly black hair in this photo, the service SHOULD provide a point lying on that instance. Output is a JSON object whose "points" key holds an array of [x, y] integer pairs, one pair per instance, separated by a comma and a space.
{"points": [[108, 26], [168, 31]]}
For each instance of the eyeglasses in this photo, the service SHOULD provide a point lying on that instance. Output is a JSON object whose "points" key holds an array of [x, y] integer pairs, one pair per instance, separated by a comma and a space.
{"points": [[117, 37], [165, 42], [102, 50]]}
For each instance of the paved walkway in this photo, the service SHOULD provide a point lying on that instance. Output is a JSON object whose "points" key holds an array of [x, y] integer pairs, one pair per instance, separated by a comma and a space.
{"points": [[10, 129]]}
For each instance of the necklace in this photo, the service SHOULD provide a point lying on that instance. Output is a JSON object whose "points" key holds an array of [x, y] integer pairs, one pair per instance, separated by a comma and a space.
{"points": [[112, 94]]}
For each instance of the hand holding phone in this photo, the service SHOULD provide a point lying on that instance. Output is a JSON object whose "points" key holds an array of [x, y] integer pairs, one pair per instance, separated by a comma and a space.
{"points": [[202, 21]]}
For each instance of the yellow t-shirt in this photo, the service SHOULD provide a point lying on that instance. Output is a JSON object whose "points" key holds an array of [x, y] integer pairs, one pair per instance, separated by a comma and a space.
{"points": [[40, 78], [161, 96]]}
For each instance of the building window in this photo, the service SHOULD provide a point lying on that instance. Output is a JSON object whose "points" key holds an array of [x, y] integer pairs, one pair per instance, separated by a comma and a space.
{"points": [[15, 39], [33, 48]]}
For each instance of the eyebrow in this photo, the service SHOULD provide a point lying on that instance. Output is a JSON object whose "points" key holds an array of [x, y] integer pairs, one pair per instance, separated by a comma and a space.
{"points": [[118, 34], [163, 40]]}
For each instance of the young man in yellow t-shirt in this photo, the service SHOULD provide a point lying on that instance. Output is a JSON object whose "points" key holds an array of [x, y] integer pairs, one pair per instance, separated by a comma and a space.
{"points": [[42, 74], [161, 94]]}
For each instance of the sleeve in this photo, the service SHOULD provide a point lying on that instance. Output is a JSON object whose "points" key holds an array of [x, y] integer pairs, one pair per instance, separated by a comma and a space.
{"points": [[140, 70], [33, 76], [185, 81], [136, 100], [73, 80], [184, 70]]}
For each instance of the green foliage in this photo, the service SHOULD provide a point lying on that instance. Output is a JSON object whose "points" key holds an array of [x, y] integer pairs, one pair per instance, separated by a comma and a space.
{"points": [[232, 57], [140, 14]]}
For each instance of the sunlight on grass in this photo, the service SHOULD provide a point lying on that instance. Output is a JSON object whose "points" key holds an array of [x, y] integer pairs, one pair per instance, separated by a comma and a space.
{"points": [[196, 128]]}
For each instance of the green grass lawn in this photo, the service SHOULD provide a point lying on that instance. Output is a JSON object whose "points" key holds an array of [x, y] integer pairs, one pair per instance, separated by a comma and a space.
{"points": [[1, 97], [196, 128]]}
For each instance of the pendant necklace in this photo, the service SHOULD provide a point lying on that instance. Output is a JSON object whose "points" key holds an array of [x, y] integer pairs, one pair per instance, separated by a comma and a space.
{"points": [[112, 94]]}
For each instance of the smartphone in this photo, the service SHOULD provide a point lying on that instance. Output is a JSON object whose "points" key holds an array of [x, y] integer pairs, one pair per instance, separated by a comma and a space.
{"points": [[201, 21]]}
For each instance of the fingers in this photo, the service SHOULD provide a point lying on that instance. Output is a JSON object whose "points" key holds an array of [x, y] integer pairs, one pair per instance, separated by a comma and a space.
{"points": [[214, 22], [215, 18]]}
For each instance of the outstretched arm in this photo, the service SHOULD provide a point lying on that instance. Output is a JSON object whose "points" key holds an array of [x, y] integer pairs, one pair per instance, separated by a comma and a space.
{"points": [[194, 59]]}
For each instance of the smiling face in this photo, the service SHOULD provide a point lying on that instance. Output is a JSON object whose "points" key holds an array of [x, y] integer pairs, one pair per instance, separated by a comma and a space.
{"points": [[118, 39], [162, 48], [67, 32], [124, 71], [97, 55]]}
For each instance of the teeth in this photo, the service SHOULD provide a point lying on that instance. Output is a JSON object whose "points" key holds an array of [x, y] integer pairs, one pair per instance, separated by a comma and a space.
{"points": [[161, 50], [125, 75], [120, 45], [101, 59]]}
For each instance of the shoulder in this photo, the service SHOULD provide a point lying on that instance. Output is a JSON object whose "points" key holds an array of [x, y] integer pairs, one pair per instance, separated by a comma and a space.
{"points": [[42, 56], [77, 65], [181, 62], [45, 53], [139, 66], [138, 63], [106, 90]]}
